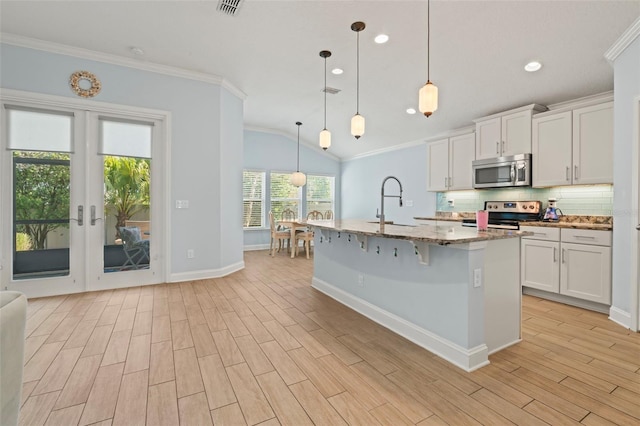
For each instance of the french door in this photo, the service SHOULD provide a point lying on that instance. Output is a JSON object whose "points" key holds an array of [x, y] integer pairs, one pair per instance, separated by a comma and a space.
{"points": [[75, 183]]}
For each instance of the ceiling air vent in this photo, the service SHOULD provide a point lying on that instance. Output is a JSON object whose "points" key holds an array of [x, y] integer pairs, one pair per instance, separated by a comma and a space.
{"points": [[331, 90], [229, 7]]}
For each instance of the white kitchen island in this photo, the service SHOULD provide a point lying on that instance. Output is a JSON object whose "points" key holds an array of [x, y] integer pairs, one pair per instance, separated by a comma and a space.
{"points": [[450, 289]]}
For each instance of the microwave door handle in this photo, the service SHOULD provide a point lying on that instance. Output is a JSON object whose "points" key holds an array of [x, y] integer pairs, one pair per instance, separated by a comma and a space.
{"points": [[513, 173]]}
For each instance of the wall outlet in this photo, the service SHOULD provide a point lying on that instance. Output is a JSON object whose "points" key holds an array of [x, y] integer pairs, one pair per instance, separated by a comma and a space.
{"points": [[191, 254], [477, 277], [451, 202], [408, 203], [360, 280], [182, 204]]}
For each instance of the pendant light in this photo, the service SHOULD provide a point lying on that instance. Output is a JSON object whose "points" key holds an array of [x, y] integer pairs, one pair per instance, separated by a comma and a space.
{"points": [[298, 178], [428, 95], [325, 135], [357, 122]]}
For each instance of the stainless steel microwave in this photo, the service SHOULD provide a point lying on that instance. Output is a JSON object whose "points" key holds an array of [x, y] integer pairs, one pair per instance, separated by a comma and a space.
{"points": [[502, 172]]}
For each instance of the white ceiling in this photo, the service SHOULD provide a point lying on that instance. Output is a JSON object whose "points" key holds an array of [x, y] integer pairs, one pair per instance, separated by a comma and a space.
{"points": [[269, 50]]}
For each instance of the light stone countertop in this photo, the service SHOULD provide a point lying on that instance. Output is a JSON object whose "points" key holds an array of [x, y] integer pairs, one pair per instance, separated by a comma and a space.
{"points": [[571, 225], [441, 234]]}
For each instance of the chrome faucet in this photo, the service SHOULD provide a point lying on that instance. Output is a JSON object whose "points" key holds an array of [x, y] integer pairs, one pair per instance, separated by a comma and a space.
{"points": [[382, 196]]}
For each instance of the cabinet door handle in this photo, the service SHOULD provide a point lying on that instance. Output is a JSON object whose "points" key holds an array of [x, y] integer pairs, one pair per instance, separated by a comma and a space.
{"points": [[445, 182], [503, 147], [497, 147], [567, 174], [562, 255], [588, 237], [450, 182], [575, 172], [555, 255]]}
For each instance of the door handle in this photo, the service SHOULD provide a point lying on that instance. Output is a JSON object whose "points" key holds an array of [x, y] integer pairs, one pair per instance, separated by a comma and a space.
{"points": [[555, 256], [80, 218], [503, 148], [567, 174], [575, 172], [445, 182], [513, 173], [94, 219], [497, 147], [562, 255]]}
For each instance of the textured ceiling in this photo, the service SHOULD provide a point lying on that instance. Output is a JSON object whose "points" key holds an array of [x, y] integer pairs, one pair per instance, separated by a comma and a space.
{"points": [[269, 50]]}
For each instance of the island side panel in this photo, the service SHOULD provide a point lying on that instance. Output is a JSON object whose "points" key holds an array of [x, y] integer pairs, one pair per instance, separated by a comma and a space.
{"points": [[503, 295], [438, 299]]}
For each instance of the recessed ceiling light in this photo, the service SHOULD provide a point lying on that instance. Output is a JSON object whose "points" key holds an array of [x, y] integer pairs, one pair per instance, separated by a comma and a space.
{"points": [[411, 111], [381, 38], [533, 66], [337, 71], [137, 51]]}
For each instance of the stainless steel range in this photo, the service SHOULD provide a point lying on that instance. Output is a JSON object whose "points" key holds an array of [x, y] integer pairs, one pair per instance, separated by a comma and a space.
{"points": [[509, 214]]}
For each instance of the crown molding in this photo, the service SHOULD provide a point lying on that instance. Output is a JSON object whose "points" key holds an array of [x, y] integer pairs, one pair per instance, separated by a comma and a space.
{"points": [[304, 142], [385, 150], [623, 42], [92, 55]]}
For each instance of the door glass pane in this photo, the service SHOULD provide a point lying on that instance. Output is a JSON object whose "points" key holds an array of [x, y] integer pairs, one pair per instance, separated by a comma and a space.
{"points": [[41, 196], [127, 201]]}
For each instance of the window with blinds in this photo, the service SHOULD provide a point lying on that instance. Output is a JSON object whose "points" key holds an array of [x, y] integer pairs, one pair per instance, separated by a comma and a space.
{"points": [[284, 196], [320, 193], [253, 198]]}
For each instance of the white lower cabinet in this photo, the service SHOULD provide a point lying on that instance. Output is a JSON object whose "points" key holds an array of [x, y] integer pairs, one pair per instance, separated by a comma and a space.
{"points": [[570, 262], [539, 265]]}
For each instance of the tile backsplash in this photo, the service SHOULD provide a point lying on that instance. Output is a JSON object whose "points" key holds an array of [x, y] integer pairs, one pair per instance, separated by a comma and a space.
{"points": [[572, 200]]}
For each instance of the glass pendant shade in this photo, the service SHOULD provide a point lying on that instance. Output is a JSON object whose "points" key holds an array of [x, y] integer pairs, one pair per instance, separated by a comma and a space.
{"points": [[428, 99], [325, 139], [298, 179], [357, 126]]}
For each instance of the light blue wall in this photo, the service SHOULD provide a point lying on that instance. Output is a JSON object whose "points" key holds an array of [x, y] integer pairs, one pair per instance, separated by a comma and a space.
{"points": [[203, 156], [626, 89], [362, 179], [579, 199], [273, 152]]}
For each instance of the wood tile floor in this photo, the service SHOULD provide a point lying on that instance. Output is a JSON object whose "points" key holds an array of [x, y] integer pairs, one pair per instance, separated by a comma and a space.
{"points": [[262, 347]]}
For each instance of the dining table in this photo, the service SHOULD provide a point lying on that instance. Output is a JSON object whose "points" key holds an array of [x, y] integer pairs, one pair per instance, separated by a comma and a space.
{"points": [[293, 225]]}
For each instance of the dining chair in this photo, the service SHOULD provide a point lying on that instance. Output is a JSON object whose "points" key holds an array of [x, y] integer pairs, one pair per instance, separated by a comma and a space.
{"points": [[315, 215], [328, 214], [278, 236], [306, 237], [288, 214]]}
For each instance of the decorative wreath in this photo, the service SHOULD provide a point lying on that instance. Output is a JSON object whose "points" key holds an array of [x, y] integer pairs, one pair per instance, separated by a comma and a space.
{"points": [[77, 77]]}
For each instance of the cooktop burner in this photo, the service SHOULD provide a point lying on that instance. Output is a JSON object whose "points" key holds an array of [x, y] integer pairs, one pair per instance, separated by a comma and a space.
{"points": [[509, 214]]}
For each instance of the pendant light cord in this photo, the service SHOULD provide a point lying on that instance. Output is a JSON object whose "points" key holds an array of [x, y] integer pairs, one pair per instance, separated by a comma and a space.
{"points": [[358, 73], [428, 39], [298, 164], [325, 93]]}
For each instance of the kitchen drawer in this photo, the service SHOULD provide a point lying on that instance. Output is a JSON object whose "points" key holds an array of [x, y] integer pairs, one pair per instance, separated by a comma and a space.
{"points": [[586, 236], [542, 233]]}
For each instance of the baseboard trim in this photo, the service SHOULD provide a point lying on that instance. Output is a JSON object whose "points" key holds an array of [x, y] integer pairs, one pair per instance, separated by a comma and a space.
{"points": [[467, 359], [620, 317], [568, 300], [256, 247], [205, 274]]}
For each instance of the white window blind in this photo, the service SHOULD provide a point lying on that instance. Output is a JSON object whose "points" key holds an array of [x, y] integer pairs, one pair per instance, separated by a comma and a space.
{"points": [[320, 193], [32, 129], [253, 199], [284, 196], [125, 138]]}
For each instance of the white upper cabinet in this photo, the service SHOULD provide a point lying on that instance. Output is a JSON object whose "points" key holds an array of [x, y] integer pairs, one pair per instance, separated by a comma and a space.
{"points": [[593, 144], [450, 163], [507, 133], [461, 154], [573, 147], [552, 149], [438, 173]]}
